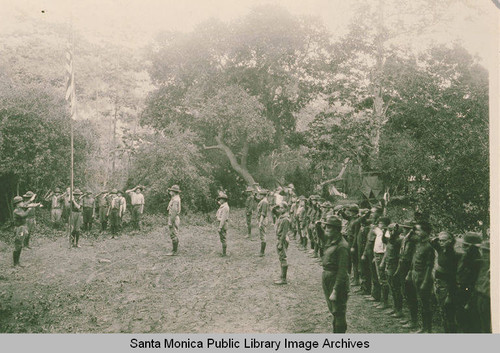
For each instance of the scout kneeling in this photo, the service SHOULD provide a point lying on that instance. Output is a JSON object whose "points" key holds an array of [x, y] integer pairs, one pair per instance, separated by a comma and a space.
{"points": [[223, 217]]}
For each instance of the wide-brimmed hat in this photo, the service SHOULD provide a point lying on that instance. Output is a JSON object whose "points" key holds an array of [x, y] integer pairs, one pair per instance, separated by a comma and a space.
{"points": [[249, 189], [332, 221], [17, 199], [354, 208], [364, 211], [472, 238], [77, 192], [175, 188], [222, 195], [57, 190], [327, 204], [113, 191], [29, 194], [263, 192]]}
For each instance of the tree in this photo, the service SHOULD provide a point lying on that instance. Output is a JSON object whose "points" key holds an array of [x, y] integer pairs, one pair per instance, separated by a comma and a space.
{"points": [[435, 144], [265, 66], [165, 159]]}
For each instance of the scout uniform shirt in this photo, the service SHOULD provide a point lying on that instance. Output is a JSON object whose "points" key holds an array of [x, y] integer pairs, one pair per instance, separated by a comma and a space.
{"points": [[262, 209], [137, 198], [250, 204], [223, 215], [174, 209]]}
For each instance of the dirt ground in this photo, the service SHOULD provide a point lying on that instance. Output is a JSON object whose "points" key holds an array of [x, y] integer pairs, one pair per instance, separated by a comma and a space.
{"points": [[129, 285]]}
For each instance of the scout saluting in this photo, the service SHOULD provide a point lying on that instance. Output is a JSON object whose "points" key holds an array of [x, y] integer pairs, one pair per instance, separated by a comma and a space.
{"points": [[30, 220], [174, 209], [20, 229], [223, 217], [76, 218]]}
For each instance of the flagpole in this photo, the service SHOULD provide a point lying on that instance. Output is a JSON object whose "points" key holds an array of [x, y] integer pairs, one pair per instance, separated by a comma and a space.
{"points": [[72, 116]]}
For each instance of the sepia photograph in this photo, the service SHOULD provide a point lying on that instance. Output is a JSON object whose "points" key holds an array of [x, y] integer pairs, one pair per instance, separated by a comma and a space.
{"points": [[247, 167]]}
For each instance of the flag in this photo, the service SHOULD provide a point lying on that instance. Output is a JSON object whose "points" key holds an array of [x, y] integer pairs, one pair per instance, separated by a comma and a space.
{"points": [[70, 82]]}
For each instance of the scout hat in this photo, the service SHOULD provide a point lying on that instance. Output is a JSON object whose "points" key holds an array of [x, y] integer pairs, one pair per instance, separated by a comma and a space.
{"points": [[77, 192], [472, 238], [327, 204], [17, 199], [338, 208], [332, 221], [28, 194], [114, 191], [354, 208], [57, 190], [222, 195], [249, 189], [263, 192], [175, 188]]}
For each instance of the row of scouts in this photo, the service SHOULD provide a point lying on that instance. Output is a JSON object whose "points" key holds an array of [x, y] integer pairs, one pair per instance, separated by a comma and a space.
{"points": [[79, 211], [385, 260], [104, 206]]}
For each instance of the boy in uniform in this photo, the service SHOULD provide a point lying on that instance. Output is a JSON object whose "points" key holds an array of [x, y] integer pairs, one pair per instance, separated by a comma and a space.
{"points": [[223, 218], [174, 221]]}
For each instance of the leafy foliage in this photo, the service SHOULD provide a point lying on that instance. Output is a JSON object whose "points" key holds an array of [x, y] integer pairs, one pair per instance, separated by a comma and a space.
{"points": [[172, 158]]}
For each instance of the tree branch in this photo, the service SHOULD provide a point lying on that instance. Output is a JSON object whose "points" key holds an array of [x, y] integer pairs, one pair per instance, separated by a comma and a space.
{"points": [[338, 177], [216, 147]]}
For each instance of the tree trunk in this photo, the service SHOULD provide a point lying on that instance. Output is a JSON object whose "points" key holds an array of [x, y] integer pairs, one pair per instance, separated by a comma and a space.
{"points": [[239, 168]]}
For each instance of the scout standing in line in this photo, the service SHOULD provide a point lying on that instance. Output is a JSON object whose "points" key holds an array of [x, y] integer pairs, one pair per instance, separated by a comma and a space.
{"points": [[249, 208], [174, 209], [76, 218], [445, 283], [114, 212], [223, 217], [467, 274], [102, 202], [88, 203], [335, 279], [123, 208], [56, 203], [262, 212], [20, 229], [30, 220], [137, 202], [391, 260], [422, 265], [282, 229]]}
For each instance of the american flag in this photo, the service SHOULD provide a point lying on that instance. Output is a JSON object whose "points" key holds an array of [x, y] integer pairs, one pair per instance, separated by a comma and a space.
{"points": [[70, 82]]}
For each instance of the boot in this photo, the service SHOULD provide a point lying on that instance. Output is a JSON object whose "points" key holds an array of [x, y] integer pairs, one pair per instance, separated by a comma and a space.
{"points": [[224, 248], [175, 245], [305, 243], [77, 237], [27, 242], [249, 232], [14, 258], [262, 249], [385, 298], [282, 280]]}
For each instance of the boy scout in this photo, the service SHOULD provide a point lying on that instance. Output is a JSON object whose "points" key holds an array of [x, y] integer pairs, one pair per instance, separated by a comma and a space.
{"points": [[174, 210], [445, 285], [249, 208], [30, 219], [88, 204], [282, 229], [223, 218], [262, 216], [114, 210], [56, 203], [137, 202], [467, 275], [102, 202], [20, 229], [76, 218], [421, 274], [335, 278]]}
